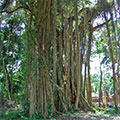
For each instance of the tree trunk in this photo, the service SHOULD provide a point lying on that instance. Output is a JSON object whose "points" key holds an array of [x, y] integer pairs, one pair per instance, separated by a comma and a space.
{"points": [[100, 90], [89, 96], [78, 56], [40, 87], [113, 63], [55, 49], [84, 79]]}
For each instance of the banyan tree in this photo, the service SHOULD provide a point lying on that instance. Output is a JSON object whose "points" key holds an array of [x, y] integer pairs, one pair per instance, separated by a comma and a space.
{"points": [[59, 42]]}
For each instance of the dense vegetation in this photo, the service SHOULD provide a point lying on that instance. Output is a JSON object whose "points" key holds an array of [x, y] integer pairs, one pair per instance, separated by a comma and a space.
{"points": [[46, 51]]}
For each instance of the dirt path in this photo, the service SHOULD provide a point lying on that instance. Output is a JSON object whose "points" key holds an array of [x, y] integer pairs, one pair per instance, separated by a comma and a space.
{"points": [[90, 116]]}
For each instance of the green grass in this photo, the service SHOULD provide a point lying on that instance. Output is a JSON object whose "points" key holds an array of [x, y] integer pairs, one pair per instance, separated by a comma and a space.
{"points": [[111, 111], [12, 115]]}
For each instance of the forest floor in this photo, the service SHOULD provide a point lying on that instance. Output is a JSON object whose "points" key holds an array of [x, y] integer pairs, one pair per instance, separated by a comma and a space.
{"points": [[17, 115], [10, 111], [91, 116]]}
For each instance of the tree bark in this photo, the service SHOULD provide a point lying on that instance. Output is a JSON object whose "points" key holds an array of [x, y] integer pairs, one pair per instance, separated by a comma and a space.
{"points": [[89, 96], [78, 56], [113, 63], [100, 90]]}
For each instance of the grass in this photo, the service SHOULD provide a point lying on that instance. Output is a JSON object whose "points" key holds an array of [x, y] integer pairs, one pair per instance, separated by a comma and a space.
{"points": [[12, 115], [111, 111]]}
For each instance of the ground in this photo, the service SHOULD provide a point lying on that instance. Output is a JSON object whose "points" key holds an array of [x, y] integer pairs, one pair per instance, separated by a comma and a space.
{"points": [[76, 116], [110, 115], [10, 111]]}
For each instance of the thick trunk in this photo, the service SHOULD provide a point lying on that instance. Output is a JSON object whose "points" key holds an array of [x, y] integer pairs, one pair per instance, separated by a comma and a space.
{"points": [[67, 74], [77, 57], [54, 42], [61, 102], [55, 72], [30, 76], [89, 96], [40, 87], [71, 60]]}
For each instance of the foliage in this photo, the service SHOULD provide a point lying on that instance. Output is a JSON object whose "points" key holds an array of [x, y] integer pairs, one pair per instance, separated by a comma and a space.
{"points": [[12, 115], [107, 82]]}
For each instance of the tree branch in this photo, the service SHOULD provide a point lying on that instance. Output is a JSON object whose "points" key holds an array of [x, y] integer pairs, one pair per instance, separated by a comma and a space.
{"points": [[99, 26]]}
